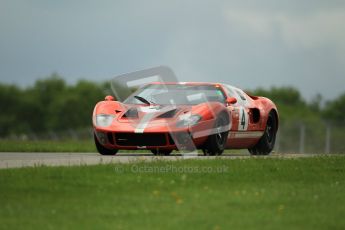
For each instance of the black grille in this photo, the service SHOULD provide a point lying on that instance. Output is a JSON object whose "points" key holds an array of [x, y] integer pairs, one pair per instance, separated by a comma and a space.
{"points": [[171, 140], [179, 137], [110, 138], [140, 139]]}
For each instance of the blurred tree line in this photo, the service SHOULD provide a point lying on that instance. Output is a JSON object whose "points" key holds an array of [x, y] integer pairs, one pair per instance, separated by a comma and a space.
{"points": [[292, 106], [315, 127], [52, 105]]}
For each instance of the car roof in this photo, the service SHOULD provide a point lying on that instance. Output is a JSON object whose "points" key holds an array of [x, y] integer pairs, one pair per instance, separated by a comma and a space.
{"points": [[184, 83]]}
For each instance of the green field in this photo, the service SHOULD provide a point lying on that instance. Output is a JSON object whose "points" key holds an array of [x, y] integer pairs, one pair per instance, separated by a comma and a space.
{"points": [[47, 146], [255, 193]]}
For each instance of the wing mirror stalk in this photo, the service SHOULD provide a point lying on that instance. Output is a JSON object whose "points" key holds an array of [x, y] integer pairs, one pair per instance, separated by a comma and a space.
{"points": [[110, 98], [231, 100]]}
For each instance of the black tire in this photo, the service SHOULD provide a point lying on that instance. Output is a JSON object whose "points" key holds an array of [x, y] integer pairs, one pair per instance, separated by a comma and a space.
{"points": [[102, 150], [215, 143], [267, 141], [160, 152]]}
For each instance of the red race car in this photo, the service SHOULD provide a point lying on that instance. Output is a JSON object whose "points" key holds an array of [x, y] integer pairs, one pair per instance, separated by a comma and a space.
{"points": [[163, 117]]}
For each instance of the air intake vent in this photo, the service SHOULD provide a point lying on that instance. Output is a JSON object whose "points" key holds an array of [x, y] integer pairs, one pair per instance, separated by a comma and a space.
{"points": [[131, 113], [140, 139], [168, 114]]}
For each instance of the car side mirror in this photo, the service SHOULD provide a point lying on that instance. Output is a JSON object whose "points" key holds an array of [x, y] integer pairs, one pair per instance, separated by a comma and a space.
{"points": [[109, 98], [231, 100]]}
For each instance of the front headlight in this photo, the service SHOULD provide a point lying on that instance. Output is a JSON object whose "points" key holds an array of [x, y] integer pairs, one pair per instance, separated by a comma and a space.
{"points": [[104, 120], [188, 120]]}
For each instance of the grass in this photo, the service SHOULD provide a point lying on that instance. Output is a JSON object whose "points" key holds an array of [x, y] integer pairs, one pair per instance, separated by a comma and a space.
{"points": [[255, 193], [47, 146]]}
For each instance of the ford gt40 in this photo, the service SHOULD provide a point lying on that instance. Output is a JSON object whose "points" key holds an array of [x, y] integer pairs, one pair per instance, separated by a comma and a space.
{"points": [[162, 117]]}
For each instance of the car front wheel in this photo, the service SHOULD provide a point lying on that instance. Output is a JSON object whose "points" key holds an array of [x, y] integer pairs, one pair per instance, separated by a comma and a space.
{"points": [[216, 142], [102, 150]]}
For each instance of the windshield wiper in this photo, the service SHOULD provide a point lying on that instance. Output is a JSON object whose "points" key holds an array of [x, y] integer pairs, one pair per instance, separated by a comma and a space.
{"points": [[143, 100]]}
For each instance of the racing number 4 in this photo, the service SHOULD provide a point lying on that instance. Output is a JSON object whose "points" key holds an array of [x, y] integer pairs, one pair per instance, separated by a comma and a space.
{"points": [[243, 120]]}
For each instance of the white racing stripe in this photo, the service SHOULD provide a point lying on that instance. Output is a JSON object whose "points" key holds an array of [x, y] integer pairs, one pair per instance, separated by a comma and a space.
{"points": [[246, 134], [237, 134], [144, 122], [139, 130]]}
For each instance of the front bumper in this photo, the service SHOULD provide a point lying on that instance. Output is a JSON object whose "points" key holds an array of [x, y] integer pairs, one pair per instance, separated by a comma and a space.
{"points": [[152, 137]]}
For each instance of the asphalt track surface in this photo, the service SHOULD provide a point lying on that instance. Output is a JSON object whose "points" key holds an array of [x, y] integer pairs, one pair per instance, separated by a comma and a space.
{"points": [[25, 159]]}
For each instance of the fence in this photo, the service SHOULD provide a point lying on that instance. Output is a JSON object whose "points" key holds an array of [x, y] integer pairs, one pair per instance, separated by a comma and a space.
{"points": [[292, 137], [299, 137]]}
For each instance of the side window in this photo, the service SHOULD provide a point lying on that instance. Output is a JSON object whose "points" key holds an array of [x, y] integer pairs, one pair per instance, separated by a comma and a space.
{"points": [[220, 96], [238, 94], [241, 95], [230, 92]]}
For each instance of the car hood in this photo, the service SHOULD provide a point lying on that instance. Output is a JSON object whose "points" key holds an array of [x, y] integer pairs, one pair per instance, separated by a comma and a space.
{"points": [[153, 112]]}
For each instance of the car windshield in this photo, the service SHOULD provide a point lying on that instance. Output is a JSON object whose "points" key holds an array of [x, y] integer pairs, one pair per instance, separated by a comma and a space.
{"points": [[176, 94]]}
